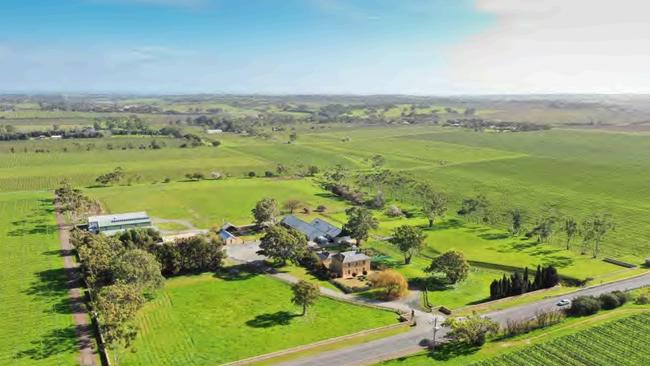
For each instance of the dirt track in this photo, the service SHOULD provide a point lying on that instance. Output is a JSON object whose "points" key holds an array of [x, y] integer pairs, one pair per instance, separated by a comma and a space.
{"points": [[83, 327]]}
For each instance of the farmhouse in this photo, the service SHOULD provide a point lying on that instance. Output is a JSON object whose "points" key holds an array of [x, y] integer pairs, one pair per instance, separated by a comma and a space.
{"points": [[111, 224], [318, 231], [349, 264]]}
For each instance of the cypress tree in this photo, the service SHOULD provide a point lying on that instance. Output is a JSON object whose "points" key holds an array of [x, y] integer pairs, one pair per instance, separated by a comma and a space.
{"points": [[537, 283], [494, 290], [516, 284], [525, 281]]}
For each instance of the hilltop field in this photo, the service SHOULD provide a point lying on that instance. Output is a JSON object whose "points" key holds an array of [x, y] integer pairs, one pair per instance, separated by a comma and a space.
{"points": [[565, 170]]}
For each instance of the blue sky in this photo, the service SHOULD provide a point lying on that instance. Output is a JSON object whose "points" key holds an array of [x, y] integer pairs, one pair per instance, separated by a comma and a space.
{"points": [[288, 46]]}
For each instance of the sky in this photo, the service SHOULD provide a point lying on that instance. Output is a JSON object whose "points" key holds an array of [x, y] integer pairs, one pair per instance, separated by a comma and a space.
{"points": [[425, 47]]}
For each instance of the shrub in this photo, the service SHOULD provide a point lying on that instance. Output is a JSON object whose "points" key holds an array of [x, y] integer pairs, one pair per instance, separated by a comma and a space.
{"points": [[394, 285], [622, 297], [321, 208], [584, 305], [515, 327], [393, 211], [642, 299], [609, 301]]}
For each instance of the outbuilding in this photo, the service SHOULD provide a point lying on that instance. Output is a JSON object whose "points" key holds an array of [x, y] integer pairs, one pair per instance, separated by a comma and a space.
{"points": [[115, 223]]}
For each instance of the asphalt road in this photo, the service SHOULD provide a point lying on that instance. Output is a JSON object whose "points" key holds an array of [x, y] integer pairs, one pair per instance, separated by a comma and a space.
{"points": [[414, 341]]}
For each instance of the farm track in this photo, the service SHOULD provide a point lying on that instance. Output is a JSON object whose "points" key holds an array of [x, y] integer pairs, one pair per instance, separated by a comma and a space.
{"points": [[83, 328]]}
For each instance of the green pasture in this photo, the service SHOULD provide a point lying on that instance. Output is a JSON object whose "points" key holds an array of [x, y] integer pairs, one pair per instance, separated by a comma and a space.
{"points": [[210, 202], [36, 324], [209, 320]]}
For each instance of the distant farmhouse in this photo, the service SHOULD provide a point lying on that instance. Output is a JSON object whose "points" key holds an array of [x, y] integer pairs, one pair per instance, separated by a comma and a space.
{"points": [[317, 231], [112, 224], [349, 264]]}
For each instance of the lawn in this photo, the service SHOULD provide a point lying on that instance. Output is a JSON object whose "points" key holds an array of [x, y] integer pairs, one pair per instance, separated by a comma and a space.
{"points": [[207, 320], [36, 323]]}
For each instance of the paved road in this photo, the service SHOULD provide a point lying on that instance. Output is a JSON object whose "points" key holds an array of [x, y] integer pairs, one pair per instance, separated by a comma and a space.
{"points": [[411, 342], [83, 328]]}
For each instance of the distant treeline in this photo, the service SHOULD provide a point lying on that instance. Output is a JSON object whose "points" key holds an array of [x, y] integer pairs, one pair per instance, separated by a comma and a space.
{"points": [[9, 133], [480, 124]]}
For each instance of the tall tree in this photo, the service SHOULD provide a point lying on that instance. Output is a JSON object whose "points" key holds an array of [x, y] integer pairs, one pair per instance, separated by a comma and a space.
{"points": [[543, 229], [451, 264], [292, 205], [434, 205], [116, 307], [594, 230], [360, 222], [478, 207], [305, 294], [138, 268], [516, 221], [283, 244], [570, 228], [266, 211], [409, 240]]}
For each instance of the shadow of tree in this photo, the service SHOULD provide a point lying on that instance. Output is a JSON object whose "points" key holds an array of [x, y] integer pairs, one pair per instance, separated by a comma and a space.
{"points": [[494, 236], [447, 351], [50, 283], [271, 320], [452, 223], [239, 272], [54, 342]]}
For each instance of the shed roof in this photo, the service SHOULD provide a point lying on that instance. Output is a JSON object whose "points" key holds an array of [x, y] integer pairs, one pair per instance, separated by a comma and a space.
{"points": [[119, 219], [304, 227], [326, 228]]}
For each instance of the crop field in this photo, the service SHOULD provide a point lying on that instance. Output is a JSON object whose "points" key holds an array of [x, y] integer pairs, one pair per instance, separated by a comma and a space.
{"points": [[36, 326], [209, 320], [620, 342]]}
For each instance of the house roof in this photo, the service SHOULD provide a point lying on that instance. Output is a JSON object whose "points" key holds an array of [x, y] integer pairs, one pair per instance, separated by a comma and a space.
{"points": [[224, 234], [119, 219], [352, 256]]}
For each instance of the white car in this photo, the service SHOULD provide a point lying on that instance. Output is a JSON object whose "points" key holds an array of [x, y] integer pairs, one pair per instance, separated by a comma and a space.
{"points": [[564, 302]]}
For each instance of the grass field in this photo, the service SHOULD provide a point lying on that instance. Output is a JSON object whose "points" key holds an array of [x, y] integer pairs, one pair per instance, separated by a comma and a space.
{"points": [[36, 325], [577, 172], [208, 203], [206, 320]]}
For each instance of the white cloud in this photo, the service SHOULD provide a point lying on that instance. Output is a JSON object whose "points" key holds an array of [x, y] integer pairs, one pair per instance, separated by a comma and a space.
{"points": [[557, 46]]}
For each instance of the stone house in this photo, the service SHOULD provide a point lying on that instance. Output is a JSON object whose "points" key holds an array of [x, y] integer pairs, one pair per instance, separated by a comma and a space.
{"points": [[349, 264]]}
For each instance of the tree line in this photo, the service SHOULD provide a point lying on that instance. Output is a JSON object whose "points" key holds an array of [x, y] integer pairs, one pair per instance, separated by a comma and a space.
{"points": [[518, 283]]}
